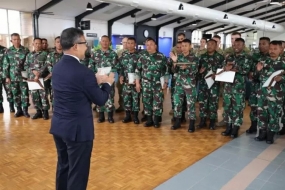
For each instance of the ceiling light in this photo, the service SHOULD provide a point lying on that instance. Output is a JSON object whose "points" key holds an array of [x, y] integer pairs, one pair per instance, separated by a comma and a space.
{"points": [[89, 7], [178, 22], [194, 24], [254, 23], [226, 17], [273, 26], [133, 15], [153, 17], [222, 26], [181, 8]]}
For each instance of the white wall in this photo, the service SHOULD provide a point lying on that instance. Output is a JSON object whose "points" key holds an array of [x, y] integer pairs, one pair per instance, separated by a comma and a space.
{"points": [[271, 35], [166, 32], [120, 28]]}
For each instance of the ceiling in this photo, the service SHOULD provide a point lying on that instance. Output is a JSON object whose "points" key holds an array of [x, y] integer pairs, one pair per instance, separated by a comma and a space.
{"points": [[73, 8]]}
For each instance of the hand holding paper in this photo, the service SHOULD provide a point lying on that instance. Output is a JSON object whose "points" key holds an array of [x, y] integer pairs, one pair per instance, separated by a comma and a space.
{"points": [[259, 66]]}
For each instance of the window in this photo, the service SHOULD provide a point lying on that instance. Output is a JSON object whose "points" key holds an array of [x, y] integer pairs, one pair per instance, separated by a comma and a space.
{"points": [[14, 22], [222, 39], [228, 40], [3, 22], [196, 37]]}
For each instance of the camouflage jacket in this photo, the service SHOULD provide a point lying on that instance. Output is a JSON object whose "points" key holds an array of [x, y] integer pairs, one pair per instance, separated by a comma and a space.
{"points": [[35, 61], [257, 57], [220, 51], [120, 52], [127, 64], [199, 52], [152, 67], [52, 59], [230, 51], [242, 64], [13, 63], [269, 67], [2, 53], [210, 63], [101, 59]]}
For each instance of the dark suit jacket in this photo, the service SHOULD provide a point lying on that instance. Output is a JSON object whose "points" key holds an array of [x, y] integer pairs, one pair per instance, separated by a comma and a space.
{"points": [[75, 89]]}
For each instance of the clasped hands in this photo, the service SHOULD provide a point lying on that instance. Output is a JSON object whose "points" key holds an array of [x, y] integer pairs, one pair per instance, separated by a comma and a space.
{"points": [[105, 78]]}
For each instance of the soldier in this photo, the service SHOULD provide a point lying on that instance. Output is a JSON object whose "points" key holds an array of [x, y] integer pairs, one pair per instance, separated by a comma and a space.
{"points": [[35, 65], [13, 64], [105, 57], [234, 93], [185, 84], [47, 82], [202, 49], [5, 85], [180, 38], [52, 59], [119, 85], [151, 68], [217, 38], [86, 59], [270, 99], [257, 57], [127, 64], [45, 45], [209, 98]]}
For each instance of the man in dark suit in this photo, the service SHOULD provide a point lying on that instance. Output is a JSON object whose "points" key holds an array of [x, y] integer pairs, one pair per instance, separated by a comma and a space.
{"points": [[75, 89]]}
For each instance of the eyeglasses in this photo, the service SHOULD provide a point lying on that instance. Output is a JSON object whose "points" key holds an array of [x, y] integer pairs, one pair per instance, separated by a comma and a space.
{"points": [[82, 43]]}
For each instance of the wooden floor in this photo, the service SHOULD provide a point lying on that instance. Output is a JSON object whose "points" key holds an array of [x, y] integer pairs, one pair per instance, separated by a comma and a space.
{"points": [[124, 156]]}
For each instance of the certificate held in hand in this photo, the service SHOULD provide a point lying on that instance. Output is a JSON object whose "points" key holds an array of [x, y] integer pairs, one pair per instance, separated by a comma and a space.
{"points": [[225, 76]]}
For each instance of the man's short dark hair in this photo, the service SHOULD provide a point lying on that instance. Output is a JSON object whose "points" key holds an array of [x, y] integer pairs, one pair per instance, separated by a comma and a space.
{"points": [[236, 33], [15, 34], [151, 39], [58, 37], [212, 40], [276, 43], [186, 41], [181, 34], [37, 39], [217, 36], [69, 37], [132, 39], [204, 39], [105, 36], [265, 39], [179, 42], [43, 39], [240, 40]]}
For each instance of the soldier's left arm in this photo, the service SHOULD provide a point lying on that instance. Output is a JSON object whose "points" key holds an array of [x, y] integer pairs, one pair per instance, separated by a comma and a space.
{"points": [[245, 67], [115, 61], [165, 68]]}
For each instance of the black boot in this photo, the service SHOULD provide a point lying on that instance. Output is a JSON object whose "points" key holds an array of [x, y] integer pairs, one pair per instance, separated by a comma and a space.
{"points": [[45, 114], [183, 118], [235, 132], [270, 137], [128, 117], [282, 131], [228, 130], [136, 118], [19, 112], [101, 118], [110, 117], [177, 124], [144, 118], [252, 128], [1, 108], [25, 112], [212, 124], [156, 122], [149, 121], [38, 114], [261, 136], [191, 128], [202, 122], [12, 109], [173, 119]]}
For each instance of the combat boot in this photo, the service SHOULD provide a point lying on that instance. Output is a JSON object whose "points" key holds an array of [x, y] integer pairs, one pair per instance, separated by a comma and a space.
{"points": [[136, 119], [270, 137], [212, 124], [1, 108], [191, 128], [38, 114], [252, 128], [128, 118], [235, 132], [19, 112], [144, 118], [12, 109], [202, 122], [101, 118], [45, 114], [157, 120], [282, 131], [110, 117], [149, 121], [177, 124], [228, 130], [183, 118], [25, 112], [261, 136]]}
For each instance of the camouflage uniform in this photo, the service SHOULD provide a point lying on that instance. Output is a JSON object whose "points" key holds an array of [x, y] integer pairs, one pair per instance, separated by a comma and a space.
{"points": [[127, 64], [150, 68], [254, 86], [186, 85], [4, 84], [119, 85], [100, 59], [234, 93], [86, 59], [51, 60], [36, 61], [13, 64], [199, 52], [220, 51], [270, 101], [47, 83], [209, 98]]}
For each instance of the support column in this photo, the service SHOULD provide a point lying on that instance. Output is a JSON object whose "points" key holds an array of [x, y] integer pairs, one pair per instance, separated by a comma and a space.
{"points": [[174, 37], [157, 36], [36, 24], [224, 41], [109, 29]]}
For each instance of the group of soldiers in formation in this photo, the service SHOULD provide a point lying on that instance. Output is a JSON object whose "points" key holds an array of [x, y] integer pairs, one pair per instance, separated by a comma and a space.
{"points": [[187, 68]]}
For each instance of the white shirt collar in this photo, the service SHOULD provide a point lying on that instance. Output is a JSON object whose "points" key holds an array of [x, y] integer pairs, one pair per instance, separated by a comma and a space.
{"points": [[73, 56]]}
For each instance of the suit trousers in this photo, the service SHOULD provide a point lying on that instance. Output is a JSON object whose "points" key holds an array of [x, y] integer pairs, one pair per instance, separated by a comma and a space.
{"points": [[73, 164]]}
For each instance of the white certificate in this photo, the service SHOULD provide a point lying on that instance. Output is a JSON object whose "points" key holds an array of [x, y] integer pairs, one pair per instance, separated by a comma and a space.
{"points": [[104, 70], [209, 80], [226, 76], [267, 82], [35, 85], [131, 77]]}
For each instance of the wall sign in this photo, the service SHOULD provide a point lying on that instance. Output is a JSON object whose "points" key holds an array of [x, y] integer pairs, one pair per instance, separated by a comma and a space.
{"points": [[91, 35]]}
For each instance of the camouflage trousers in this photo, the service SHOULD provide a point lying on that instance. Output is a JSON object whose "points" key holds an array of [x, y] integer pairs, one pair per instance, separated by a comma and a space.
{"points": [[131, 98], [109, 105], [283, 115], [40, 99], [120, 91], [182, 90], [152, 97], [48, 86], [20, 93], [7, 89], [172, 90], [269, 112], [234, 105], [252, 101], [208, 100]]}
